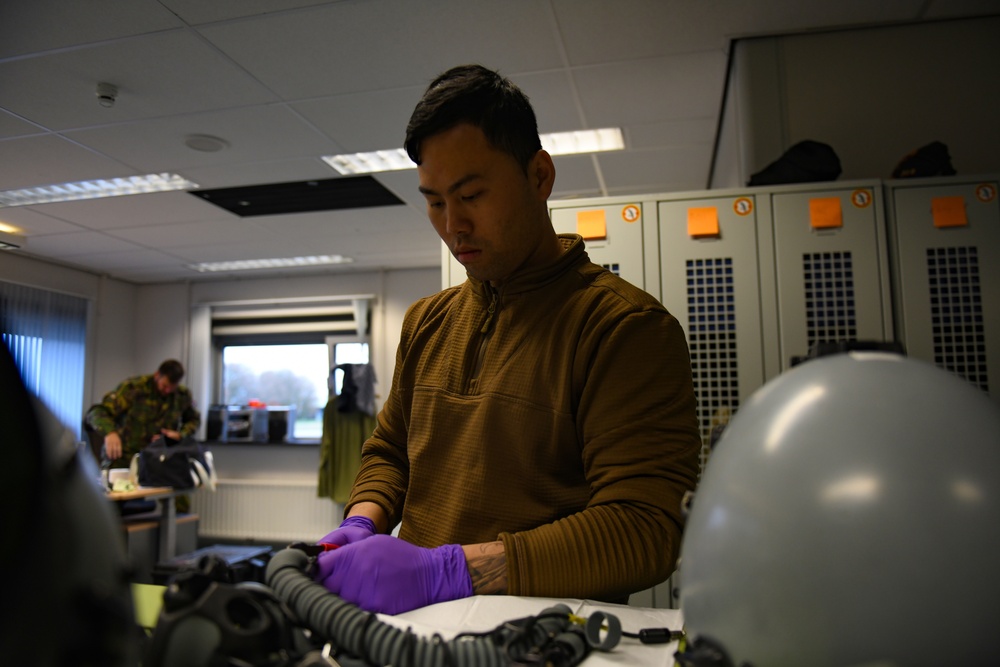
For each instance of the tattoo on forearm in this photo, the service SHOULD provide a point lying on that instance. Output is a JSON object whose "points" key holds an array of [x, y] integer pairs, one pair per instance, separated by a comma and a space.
{"points": [[488, 568]]}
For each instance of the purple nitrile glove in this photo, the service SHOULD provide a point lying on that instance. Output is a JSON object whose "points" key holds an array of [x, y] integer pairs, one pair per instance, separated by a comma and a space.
{"points": [[389, 575], [352, 529]]}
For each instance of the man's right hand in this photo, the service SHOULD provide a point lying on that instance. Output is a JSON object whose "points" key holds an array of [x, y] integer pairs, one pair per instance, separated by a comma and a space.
{"points": [[112, 446], [352, 529]]}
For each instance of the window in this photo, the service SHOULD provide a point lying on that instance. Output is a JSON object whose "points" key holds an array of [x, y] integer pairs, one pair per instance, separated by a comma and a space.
{"points": [[295, 376], [281, 354]]}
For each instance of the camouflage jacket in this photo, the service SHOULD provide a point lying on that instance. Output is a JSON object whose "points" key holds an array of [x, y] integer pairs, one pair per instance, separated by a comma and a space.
{"points": [[137, 411]]}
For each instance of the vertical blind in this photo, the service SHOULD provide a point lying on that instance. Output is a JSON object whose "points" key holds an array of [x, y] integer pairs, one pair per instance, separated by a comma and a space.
{"points": [[46, 333]]}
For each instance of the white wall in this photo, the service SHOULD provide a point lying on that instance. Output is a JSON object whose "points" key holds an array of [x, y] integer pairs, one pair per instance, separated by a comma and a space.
{"points": [[873, 94], [162, 325], [113, 338]]}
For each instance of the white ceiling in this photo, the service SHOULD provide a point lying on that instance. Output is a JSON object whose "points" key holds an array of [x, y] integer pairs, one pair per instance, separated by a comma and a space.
{"points": [[286, 81]]}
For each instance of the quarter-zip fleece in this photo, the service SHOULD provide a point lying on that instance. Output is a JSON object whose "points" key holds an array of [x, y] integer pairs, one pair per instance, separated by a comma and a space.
{"points": [[561, 421]]}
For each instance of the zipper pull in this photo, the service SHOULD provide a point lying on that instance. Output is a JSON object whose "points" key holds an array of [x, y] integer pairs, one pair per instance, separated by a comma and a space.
{"points": [[490, 312]]}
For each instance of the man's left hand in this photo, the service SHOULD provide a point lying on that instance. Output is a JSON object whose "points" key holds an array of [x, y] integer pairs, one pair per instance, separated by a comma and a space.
{"points": [[388, 575], [173, 435]]}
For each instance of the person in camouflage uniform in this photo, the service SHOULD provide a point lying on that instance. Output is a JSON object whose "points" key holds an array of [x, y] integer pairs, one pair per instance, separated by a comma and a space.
{"points": [[140, 409]]}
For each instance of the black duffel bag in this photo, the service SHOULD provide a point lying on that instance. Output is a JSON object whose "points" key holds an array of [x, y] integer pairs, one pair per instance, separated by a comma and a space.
{"points": [[183, 464]]}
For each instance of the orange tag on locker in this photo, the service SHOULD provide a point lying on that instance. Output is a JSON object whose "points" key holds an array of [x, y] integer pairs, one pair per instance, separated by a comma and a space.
{"points": [[825, 213], [949, 212], [592, 224], [703, 221]]}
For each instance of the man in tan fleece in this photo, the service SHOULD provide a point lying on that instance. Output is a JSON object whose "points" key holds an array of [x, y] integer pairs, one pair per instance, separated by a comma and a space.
{"points": [[540, 431]]}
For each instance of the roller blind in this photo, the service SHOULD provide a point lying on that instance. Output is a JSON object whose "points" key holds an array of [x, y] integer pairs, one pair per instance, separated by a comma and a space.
{"points": [[302, 320]]}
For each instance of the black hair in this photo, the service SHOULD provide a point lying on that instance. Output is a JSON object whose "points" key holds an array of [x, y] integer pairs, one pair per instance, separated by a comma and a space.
{"points": [[172, 370], [481, 97]]}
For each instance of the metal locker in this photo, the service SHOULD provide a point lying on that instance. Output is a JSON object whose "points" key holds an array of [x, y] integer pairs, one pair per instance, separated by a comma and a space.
{"points": [[945, 235], [831, 263], [711, 277], [613, 230]]}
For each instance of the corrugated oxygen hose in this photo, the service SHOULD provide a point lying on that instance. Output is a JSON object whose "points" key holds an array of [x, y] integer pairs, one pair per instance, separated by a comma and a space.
{"points": [[361, 634]]}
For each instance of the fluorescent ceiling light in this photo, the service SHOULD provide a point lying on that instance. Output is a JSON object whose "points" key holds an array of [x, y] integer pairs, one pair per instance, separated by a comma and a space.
{"points": [[558, 143], [369, 163], [275, 263], [9, 241], [583, 141], [111, 187]]}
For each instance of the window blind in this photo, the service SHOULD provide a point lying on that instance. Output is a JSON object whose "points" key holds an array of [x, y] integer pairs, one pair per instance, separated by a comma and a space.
{"points": [[289, 320], [46, 333]]}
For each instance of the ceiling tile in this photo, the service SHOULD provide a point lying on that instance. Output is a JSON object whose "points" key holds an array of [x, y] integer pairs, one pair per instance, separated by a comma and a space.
{"points": [[261, 133], [360, 121], [186, 234], [199, 11], [672, 132], [32, 222], [658, 170], [576, 176], [554, 100], [142, 258], [227, 175], [132, 210], [361, 46], [62, 246], [173, 72], [244, 246], [49, 159], [12, 126], [645, 91], [43, 25], [600, 32]]}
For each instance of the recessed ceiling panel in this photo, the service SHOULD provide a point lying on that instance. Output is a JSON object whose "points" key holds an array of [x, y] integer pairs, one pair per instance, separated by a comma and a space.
{"points": [[301, 196]]}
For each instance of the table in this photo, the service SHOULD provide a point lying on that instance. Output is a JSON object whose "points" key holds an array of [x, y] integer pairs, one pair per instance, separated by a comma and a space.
{"points": [[164, 495], [484, 612]]}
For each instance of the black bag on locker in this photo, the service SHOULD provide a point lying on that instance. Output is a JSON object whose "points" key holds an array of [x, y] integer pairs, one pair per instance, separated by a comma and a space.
{"points": [[805, 162], [930, 160]]}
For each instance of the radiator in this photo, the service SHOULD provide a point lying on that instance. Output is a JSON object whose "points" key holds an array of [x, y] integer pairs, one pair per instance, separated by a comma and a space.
{"points": [[269, 511]]}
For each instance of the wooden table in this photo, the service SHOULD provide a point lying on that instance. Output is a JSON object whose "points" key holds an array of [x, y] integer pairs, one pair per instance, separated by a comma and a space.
{"points": [[164, 496]]}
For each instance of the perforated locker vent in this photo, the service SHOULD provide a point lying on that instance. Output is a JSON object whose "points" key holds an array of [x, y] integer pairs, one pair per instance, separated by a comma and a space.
{"points": [[829, 289], [712, 340], [613, 268], [957, 313]]}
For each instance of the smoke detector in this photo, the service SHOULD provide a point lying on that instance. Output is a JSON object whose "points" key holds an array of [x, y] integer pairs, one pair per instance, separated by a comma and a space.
{"points": [[205, 143], [107, 93]]}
